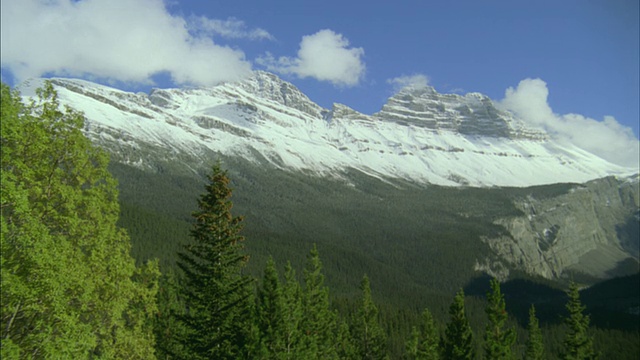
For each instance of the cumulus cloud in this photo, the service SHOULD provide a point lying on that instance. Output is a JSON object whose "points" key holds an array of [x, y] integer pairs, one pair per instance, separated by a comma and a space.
{"points": [[607, 138], [121, 40], [325, 56], [415, 80], [231, 28]]}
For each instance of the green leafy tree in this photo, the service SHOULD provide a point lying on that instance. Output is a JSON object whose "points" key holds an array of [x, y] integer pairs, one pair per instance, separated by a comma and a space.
{"points": [[70, 288], [370, 339], [498, 340], [217, 295], [318, 321], [424, 341], [458, 343], [535, 347], [578, 344]]}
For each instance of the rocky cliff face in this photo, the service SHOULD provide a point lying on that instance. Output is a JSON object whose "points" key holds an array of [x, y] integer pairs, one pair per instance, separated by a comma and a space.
{"points": [[591, 229], [473, 114]]}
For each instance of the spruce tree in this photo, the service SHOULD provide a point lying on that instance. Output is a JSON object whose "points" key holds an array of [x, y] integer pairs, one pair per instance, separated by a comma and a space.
{"points": [[345, 346], [369, 337], [498, 340], [424, 341], [292, 316], [319, 321], [70, 288], [535, 346], [271, 314], [168, 330], [458, 341], [578, 344], [217, 294]]}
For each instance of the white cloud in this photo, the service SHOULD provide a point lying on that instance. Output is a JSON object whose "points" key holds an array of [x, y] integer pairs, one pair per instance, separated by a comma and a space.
{"points": [[119, 40], [608, 139], [325, 56], [415, 80], [231, 28]]}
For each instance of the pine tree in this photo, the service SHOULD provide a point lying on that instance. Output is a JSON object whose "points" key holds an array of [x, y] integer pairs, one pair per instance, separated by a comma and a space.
{"points": [[319, 322], [218, 296], [424, 341], [70, 288], [271, 313], [292, 316], [345, 347], [578, 344], [535, 346], [168, 330], [370, 339], [498, 340], [458, 342]]}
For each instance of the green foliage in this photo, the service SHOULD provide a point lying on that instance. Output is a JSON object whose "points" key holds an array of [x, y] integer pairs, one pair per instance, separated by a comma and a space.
{"points": [[70, 288], [345, 344], [458, 343], [318, 320], [216, 293], [424, 341], [370, 339], [168, 330], [578, 343], [271, 319], [292, 314], [394, 231], [534, 347], [498, 340]]}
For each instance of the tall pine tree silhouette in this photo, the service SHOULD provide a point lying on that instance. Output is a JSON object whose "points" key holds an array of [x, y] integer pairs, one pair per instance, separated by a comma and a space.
{"points": [[423, 343], [217, 295], [458, 342], [271, 314], [370, 339], [578, 344], [535, 346], [498, 339], [318, 320]]}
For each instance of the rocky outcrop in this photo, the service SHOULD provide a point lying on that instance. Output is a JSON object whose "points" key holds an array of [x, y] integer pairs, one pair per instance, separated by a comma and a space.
{"points": [[271, 87], [473, 114], [591, 229]]}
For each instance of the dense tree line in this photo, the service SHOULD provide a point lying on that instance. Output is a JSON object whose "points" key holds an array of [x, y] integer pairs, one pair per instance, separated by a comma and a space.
{"points": [[70, 288], [296, 321]]}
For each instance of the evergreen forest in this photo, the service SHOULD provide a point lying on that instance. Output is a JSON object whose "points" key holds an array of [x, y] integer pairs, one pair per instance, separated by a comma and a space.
{"points": [[92, 269]]}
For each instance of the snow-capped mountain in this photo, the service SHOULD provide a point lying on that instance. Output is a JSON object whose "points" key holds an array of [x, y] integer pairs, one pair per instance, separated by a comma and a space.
{"points": [[419, 134]]}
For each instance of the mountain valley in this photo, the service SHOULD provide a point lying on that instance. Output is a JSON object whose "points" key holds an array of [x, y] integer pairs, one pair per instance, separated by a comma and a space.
{"points": [[428, 163], [434, 193]]}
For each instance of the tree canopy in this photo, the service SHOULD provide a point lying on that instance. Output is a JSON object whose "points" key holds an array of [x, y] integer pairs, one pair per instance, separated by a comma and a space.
{"points": [[70, 288], [498, 338], [458, 343]]}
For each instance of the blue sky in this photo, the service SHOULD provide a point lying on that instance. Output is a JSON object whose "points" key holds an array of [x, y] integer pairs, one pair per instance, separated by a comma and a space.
{"points": [[557, 57]]}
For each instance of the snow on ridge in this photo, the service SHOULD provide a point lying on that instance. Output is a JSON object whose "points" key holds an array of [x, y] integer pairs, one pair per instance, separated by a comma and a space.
{"points": [[288, 129]]}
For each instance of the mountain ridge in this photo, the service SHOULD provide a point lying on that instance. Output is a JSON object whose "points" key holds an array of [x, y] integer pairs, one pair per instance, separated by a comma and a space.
{"points": [[419, 135]]}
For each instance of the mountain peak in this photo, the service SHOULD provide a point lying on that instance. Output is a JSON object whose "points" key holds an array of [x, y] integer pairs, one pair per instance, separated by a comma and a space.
{"points": [[472, 114], [271, 87], [419, 135]]}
